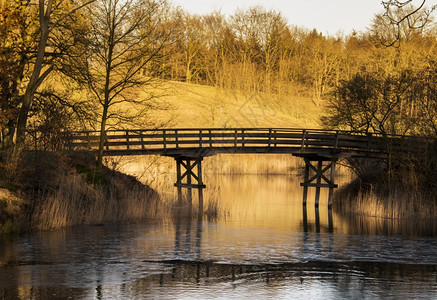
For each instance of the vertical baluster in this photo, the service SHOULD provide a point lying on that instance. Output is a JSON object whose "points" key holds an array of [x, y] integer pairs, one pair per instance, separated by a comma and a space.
{"points": [[142, 139], [274, 137], [200, 138], [303, 138], [210, 138], [106, 141], [236, 136], [319, 182], [127, 139], [242, 138]]}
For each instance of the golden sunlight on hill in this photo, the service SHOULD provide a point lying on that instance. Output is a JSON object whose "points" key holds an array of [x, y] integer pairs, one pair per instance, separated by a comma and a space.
{"points": [[191, 105]]}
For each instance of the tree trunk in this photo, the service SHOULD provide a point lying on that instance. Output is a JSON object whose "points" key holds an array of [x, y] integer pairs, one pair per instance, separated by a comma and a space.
{"points": [[106, 100], [102, 137], [35, 80]]}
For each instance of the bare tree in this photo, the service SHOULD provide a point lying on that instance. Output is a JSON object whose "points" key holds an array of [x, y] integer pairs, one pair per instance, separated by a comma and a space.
{"points": [[372, 102], [124, 38], [42, 62], [193, 45], [403, 14]]}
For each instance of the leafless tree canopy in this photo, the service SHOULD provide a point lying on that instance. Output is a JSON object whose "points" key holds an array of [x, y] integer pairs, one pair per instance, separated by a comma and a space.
{"points": [[410, 14]]}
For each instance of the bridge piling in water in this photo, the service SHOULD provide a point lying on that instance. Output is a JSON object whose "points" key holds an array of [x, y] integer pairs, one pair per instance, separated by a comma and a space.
{"points": [[319, 171], [187, 178]]}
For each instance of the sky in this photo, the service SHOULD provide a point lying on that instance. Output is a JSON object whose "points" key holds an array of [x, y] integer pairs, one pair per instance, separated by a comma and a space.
{"points": [[327, 16]]}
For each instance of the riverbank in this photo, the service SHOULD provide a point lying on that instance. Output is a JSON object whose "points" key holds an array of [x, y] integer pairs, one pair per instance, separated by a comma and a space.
{"points": [[53, 190]]}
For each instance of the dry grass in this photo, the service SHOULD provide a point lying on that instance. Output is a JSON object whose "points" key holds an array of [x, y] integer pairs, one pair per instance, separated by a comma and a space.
{"points": [[191, 106], [254, 164]]}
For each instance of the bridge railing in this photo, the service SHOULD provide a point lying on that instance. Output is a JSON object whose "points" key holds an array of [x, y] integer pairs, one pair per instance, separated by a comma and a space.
{"points": [[163, 139]]}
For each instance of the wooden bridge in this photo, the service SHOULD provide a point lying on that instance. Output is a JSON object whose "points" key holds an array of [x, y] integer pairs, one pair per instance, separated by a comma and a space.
{"points": [[319, 148]]}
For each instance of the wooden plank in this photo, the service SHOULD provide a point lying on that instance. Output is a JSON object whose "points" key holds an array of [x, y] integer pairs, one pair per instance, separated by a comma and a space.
{"points": [[325, 185], [193, 186]]}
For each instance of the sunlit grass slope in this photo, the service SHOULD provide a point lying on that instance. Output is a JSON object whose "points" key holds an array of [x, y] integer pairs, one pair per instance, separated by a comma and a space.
{"points": [[191, 105]]}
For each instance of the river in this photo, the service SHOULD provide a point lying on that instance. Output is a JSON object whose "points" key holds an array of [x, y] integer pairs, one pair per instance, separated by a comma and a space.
{"points": [[263, 244]]}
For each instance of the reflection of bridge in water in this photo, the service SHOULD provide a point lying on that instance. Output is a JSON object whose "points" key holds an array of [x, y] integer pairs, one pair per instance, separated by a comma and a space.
{"points": [[320, 149], [188, 264]]}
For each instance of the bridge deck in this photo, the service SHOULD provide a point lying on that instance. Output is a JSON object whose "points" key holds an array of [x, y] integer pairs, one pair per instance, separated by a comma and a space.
{"points": [[210, 141]]}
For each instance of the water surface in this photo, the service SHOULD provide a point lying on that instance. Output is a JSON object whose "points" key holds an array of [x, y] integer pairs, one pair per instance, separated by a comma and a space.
{"points": [[265, 246]]}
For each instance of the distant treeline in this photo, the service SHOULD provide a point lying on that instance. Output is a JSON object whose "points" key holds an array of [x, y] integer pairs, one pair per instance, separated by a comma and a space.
{"points": [[257, 50], [101, 51]]}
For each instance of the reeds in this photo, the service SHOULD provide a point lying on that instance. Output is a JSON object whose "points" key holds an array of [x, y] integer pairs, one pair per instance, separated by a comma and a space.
{"points": [[397, 203], [149, 168], [76, 202], [253, 164]]}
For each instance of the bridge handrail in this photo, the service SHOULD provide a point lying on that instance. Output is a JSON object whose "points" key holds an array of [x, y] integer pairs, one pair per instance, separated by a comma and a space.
{"points": [[181, 138]]}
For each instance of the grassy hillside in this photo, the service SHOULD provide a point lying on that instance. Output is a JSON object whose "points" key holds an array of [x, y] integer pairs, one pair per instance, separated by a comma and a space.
{"points": [[191, 105]]}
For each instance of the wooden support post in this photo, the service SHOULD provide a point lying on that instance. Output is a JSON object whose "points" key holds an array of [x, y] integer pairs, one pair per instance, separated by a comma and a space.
{"points": [[316, 180], [200, 183], [330, 221], [178, 181], [319, 182], [317, 220], [189, 190], [187, 179], [305, 182], [305, 218], [331, 187]]}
